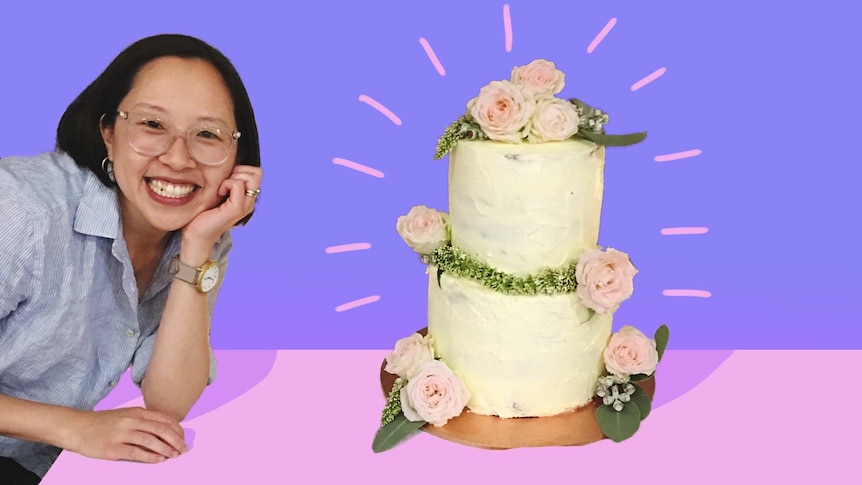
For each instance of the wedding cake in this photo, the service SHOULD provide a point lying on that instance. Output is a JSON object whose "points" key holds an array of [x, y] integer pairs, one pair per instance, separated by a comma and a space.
{"points": [[520, 296]]}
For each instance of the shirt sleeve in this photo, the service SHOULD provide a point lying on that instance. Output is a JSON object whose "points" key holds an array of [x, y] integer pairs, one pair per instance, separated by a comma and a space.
{"points": [[142, 357], [16, 253]]}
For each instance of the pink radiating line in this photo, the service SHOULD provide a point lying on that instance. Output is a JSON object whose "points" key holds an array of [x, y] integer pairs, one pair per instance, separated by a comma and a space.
{"points": [[507, 26], [432, 56], [676, 231], [357, 303], [677, 156], [358, 167], [347, 247], [695, 293], [379, 107], [652, 77], [601, 35]]}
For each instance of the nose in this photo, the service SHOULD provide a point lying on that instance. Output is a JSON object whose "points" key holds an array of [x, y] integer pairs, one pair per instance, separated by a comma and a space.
{"points": [[177, 155]]}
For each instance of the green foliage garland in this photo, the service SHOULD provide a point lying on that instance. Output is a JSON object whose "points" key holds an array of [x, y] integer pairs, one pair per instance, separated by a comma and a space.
{"points": [[451, 259]]}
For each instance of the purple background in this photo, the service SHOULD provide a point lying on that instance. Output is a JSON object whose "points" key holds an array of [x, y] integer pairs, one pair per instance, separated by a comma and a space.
{"points": [[766, 93]]}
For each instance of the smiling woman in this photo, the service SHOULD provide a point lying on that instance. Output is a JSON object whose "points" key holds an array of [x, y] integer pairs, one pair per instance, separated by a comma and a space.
{"points": [[113, 249]]}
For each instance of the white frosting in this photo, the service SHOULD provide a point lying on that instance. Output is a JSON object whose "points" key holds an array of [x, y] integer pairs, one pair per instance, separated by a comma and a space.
{"points": [[521, 208], [519, 355]]}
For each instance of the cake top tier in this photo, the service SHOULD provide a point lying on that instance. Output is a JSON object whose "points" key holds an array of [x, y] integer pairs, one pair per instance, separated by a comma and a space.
{"points": [[527, 108]]}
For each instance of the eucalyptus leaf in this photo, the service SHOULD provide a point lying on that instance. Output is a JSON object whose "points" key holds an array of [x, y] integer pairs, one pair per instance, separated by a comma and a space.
{"points": [[662, 334], [619, 425], [613, 140], [642, 401], [398, 430]]}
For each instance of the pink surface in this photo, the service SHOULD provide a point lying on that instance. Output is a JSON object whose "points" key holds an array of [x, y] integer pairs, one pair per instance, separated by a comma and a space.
{"points": [[311, 420]]}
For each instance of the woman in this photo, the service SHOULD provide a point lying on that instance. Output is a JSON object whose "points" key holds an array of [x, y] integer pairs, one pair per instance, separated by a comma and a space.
{"points": [[112, 253]]}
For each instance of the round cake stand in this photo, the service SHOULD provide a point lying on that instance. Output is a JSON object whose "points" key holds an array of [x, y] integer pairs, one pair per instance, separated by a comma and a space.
{"points": [[573, 428]]}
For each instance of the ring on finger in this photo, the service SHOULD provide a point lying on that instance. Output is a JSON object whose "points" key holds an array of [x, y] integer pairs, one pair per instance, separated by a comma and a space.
{"points": [[252, 193]]}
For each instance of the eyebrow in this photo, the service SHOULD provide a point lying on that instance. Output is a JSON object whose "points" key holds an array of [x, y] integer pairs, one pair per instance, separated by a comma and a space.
{"points": [[163, 111]]}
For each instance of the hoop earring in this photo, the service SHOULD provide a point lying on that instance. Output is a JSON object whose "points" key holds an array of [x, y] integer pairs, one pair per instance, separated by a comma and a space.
{"points": [[108, 168]]}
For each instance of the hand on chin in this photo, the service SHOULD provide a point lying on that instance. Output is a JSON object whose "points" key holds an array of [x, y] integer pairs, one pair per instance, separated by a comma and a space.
{"points": [[208, 226]]}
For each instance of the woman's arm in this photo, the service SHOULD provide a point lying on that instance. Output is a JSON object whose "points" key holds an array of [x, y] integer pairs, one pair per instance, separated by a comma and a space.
{"points": [[31, 421], [133, 434], [178, 371]]}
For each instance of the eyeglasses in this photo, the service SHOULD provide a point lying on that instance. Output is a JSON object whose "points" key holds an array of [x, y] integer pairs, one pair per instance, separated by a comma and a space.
{"points": [[151, 136]]}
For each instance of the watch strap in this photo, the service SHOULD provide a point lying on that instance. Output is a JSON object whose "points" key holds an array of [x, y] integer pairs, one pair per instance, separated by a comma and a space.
{"points": [[183, 271]]}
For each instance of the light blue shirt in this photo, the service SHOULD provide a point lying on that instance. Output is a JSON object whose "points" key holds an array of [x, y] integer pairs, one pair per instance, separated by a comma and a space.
{"points": [[71, 321]]}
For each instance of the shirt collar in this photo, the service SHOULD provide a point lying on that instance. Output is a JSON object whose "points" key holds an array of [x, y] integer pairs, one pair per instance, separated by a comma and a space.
{"points": [[98, 212]]}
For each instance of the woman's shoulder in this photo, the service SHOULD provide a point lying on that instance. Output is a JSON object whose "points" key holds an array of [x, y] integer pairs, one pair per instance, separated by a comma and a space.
{"points": [[42, 182]]}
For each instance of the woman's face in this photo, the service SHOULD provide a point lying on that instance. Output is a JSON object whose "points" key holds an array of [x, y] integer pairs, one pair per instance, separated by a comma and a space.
{"points": [[165, 192]]}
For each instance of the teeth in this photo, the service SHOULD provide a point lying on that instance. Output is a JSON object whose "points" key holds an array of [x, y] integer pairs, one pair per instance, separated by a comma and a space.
{"points": [[170, 190]]}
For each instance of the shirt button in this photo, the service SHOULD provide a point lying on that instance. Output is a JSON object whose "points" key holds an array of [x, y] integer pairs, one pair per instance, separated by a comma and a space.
{"points": [[130, 332], [113, 383]]}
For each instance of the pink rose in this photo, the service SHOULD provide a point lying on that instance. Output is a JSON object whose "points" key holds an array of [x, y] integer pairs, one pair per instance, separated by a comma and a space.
{"points": [[630, 352], [555, 119], [434, 394], [604, 279], [541, 77], [503, 111], [424, 229], [409, 353]]}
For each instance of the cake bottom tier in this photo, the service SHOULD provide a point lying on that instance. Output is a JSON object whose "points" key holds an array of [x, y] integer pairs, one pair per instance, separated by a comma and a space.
{"points": [[520, 356]]}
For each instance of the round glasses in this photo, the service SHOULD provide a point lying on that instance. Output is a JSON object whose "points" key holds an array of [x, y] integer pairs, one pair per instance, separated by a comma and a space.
{"points": [[149, 135]]}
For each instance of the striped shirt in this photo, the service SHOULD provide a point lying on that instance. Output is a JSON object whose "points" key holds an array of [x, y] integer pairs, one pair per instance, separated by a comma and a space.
{"points": [[71, 320]]}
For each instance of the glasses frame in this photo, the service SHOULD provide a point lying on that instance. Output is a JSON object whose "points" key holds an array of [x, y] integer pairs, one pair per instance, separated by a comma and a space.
{"points": [[175, 133]]}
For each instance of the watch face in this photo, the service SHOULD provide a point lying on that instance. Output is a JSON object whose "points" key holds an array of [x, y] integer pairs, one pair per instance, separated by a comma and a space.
{"points": [[209, 278]]}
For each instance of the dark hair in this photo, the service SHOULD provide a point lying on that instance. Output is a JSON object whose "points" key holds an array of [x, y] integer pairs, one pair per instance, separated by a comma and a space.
{"points": [[78, 132]]}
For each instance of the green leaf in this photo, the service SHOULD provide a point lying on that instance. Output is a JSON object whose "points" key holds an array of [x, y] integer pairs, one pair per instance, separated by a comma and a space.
{"points": [[619, 425], [439, 274], [662, 334], [398, 430], [638, 377], [613, 140], [642, 401]]}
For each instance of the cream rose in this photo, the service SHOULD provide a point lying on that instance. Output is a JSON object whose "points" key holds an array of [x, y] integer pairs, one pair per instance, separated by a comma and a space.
{"points": [[630, 352], [605, 279], [541, 77], [424, 229], [503, 111], [434, 394], [408, 355], [555, 119]]}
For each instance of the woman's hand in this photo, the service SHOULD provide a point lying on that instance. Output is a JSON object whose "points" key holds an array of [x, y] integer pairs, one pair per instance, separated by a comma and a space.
{"points": [[209, 225], [129, 434]]}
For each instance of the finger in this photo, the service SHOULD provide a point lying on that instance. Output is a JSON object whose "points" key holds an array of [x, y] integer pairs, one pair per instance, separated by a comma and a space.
{"points": [[164, 418], [164, 432], [153, 443], [257, 171], [250, 180], [235, 206], [138, 454]]}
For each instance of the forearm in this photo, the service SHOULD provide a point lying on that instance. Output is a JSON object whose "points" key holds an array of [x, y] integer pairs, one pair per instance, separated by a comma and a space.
{"points": [[179, 367], [32, 421]]}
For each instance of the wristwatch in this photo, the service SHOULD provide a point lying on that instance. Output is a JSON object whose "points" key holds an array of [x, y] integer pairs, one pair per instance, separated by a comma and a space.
{"points": [[203, 279]]}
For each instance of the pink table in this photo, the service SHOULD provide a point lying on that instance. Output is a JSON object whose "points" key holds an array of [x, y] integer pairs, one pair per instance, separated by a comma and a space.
{"points": [[310, 416]]}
